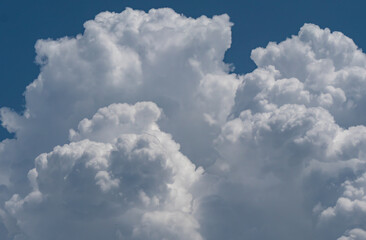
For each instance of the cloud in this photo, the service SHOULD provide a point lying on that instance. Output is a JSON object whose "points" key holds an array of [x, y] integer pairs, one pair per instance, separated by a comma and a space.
{"points": [[87, 145], [354, 234], [349, 209], [128, 186], [133, 56], [137, 129], [315, 68], [291, 144]]}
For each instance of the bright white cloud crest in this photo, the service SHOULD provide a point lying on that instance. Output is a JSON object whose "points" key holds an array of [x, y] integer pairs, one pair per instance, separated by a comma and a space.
{"points": [[136, 129]]}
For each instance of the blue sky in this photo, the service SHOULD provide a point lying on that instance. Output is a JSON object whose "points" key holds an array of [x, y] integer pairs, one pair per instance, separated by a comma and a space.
{"points": [[256, 23], [134, 126]]}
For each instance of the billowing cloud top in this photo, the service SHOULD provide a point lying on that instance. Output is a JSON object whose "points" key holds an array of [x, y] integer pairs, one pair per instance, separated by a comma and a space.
{"points": [[136, 129]]}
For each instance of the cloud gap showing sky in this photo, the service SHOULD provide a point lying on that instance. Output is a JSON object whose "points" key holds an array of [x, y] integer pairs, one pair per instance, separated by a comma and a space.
{"points": [[138, 129]]}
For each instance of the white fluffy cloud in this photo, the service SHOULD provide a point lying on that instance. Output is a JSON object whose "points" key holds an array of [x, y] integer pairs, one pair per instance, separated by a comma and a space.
{"points": [[133, 56], [117, 161], [315, 68], [136, 129], [291, 144], [125, 185]]}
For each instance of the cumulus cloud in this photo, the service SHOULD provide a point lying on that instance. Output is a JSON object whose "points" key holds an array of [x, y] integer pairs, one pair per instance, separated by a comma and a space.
{"points": [[354, 234], [129, 186], [294, 140], [82, 152], [133, 56], [137, 129], [314, 68]]}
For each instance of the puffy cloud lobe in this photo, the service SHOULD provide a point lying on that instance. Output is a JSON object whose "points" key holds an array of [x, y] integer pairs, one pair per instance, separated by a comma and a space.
{"points": [[282, 164], [315, 68], [118, 118], [134, 185], [354, 234], [263, 159], [349, 209]]}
